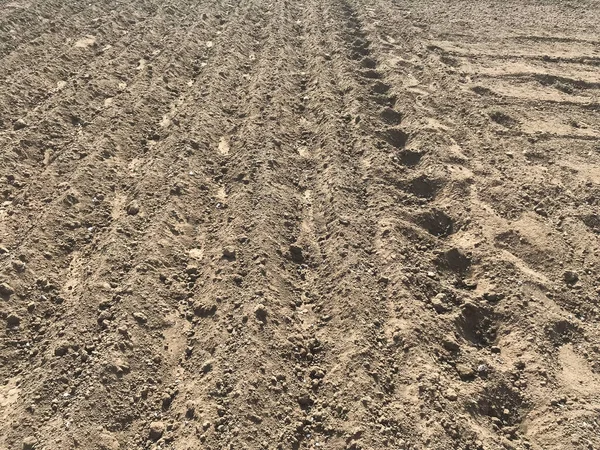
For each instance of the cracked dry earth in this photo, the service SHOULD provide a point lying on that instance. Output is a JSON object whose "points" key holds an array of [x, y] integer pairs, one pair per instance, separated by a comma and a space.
{"points": [[341, 224]]}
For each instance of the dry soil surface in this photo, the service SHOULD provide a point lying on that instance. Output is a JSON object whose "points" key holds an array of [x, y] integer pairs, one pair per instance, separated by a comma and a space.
{"points": [[309, 224]]}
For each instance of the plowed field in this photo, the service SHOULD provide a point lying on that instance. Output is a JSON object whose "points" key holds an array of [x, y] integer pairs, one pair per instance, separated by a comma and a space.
{"points": [[310, 224]]}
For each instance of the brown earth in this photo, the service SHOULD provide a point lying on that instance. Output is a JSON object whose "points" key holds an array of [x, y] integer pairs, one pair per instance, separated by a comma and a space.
{"points": [[341, 224]]}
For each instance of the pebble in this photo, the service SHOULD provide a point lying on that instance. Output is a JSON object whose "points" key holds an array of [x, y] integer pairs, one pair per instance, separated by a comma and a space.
{"points": [[133, 208], [483, 369], [156, 430], [571, 277], [207, 366], [192, 269], [20, 124]]}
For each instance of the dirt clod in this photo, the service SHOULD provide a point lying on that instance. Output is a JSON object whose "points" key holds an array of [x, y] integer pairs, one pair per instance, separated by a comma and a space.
{"points": [[13, 320], [296, 253], [261, 313], [229, 252], [140, 317], [30, 443], [6, 290], [451, 394], [156, 430], [61, 349]]}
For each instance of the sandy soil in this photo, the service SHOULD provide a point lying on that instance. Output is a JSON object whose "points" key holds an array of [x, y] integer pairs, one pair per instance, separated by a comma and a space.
{"points": [[341, 224]]}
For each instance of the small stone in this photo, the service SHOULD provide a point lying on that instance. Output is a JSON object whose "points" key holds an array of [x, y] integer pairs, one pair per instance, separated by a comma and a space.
{"points": [[571, 277], [13, 320], [483, 369], [156, 430], [133, 208], [191, 269], [451, 394], [495, 349], [6, 290], [207, 366], [20, 124], [261, 312], [140, 317], [3, 250], [30, 443]]}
